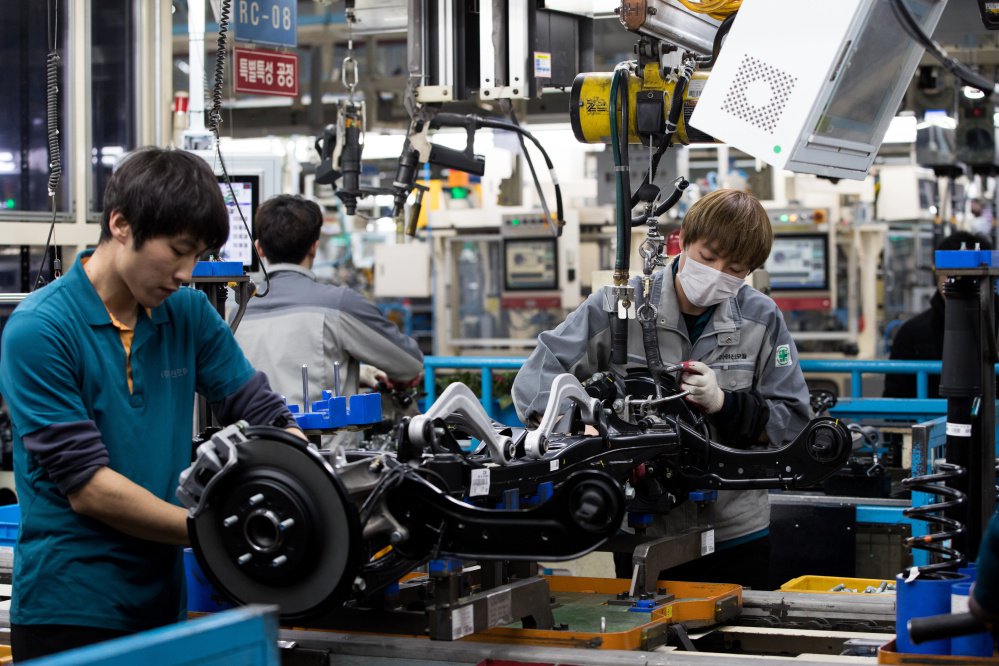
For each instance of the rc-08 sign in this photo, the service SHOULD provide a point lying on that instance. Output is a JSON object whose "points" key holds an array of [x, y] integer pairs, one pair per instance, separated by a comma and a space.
{"points": [[266, 22]]}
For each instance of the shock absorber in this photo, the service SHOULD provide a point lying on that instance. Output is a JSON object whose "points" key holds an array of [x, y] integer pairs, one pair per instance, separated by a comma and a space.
{"points": [[961, 384], [944, 542]]}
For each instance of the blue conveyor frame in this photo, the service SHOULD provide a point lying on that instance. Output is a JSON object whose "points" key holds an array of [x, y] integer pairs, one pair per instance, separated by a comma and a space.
{"points": [[244, 636]]}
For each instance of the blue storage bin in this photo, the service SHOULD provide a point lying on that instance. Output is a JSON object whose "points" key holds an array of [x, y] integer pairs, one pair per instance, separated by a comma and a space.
{"points": [[928, 594], [10, 520]]}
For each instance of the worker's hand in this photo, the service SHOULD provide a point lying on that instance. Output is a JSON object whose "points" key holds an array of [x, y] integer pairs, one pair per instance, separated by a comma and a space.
{"points": [[370, 376], [404, 384], [297, 432], [702, 384]]}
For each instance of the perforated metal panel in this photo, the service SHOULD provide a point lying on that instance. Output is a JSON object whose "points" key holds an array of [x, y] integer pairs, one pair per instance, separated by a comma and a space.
{"points": [[753, 72]]}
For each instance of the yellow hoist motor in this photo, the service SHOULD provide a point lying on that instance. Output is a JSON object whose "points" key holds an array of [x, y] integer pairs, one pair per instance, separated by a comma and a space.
{"points": [[650, 98]]}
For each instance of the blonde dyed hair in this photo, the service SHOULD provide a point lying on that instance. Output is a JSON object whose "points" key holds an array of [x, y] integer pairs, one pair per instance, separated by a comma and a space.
{"points": [[733, 224]]}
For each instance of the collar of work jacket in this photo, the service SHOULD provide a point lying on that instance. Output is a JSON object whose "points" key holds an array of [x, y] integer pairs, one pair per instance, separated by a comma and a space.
{"points": [[93, 308], [726, 318], [292, 268]]}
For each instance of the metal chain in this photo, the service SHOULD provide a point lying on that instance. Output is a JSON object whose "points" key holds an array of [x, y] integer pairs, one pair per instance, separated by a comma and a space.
{"points": [[348, 71]]}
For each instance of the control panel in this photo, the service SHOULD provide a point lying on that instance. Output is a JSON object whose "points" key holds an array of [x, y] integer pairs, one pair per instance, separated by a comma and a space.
{"points": [[796, 216], [527, 224]]}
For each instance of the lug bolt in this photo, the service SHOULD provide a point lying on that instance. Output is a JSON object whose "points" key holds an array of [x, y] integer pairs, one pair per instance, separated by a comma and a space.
{"points": [[244, 558], [256, 499], [278, 561]]}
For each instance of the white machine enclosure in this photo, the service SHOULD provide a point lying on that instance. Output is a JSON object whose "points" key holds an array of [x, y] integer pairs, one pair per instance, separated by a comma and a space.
{"points": [[811, 86], [494, 220]]}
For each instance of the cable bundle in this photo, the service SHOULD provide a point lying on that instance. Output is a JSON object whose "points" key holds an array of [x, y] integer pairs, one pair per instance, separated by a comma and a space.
{"points": [[716, 9]]}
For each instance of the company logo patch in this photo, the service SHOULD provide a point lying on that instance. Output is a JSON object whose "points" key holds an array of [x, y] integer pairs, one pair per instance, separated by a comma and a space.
{"points": [[783, 356]]}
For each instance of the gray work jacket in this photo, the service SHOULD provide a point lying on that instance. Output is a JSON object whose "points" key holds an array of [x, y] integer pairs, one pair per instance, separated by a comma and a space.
{"points": [[745, 342], [301, 321]]}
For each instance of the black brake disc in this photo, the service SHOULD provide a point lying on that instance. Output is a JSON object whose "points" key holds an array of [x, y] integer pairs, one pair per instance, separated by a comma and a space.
{"points": [[279, 529]]}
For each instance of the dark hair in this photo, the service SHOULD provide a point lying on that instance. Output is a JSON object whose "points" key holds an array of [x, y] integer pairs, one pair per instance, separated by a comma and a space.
{"points": [[732, 223], [164, 192], [966, 238], [287, 226]]}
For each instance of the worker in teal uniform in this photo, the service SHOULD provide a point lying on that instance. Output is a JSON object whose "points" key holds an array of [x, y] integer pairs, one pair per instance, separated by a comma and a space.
{"points": [[99, 370]]}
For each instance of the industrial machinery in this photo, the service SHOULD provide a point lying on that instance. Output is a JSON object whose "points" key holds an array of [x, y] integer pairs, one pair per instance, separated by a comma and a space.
{"points": [[512, 279], [272, 520], [340, 155]]}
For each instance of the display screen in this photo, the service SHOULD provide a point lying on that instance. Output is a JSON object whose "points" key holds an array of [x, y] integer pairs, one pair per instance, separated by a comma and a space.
{"points": [[239, 247], [799, 261], [530, 264], [863, 95]]}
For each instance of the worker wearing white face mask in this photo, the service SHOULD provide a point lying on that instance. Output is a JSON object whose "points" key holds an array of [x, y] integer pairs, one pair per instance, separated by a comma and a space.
{"points": [[704, 286], [741, 366]]}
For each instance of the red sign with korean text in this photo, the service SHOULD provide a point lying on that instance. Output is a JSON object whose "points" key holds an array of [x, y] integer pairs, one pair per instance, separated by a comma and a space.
{"points": [[265, 72]]}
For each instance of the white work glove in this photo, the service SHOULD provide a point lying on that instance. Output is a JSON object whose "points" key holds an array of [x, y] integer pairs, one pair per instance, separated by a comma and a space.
{"points": [[702, 384], [370, 376]]}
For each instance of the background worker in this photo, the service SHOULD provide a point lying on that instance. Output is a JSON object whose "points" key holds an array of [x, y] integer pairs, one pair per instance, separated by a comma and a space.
{"points": [[744, 376], [921, 338], [304, 322], [99, 370]]}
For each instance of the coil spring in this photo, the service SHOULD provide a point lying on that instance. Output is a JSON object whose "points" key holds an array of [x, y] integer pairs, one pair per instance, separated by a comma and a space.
{"points": [[949, 528], [215, 117]]}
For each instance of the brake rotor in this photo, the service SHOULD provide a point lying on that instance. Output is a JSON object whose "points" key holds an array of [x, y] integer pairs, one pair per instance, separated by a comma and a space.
{"points": [[279, 529]]}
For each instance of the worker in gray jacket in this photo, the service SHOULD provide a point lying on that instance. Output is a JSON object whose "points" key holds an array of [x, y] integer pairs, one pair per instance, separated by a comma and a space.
{"points": [[301, 321], [744, 377]]}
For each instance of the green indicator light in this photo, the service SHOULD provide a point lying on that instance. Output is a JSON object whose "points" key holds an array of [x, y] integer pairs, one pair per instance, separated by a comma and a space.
{"points": [[514, 221], [9, 203], [777, 149], [783, 218]]}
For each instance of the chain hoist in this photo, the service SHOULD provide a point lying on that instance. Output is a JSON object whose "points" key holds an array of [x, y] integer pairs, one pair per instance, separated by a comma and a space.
{"points": [[349, 70]]}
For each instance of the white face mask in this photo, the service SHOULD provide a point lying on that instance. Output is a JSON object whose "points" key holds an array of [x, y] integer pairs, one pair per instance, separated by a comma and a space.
{"points": [[704, 286]]}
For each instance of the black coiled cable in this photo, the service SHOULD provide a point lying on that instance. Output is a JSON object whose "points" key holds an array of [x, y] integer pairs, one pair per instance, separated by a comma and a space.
{"points": [[940, 542], [215, 117], [52, 119], [52, 130], [215, 121]]}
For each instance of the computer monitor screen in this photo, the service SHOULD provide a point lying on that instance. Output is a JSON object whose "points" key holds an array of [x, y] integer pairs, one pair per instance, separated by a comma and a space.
{"points": [[530, 264], [239, 247], [799, 261]]}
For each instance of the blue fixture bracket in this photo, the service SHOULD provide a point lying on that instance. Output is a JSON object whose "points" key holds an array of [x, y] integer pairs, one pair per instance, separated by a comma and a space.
{"points": [[333, 412]]}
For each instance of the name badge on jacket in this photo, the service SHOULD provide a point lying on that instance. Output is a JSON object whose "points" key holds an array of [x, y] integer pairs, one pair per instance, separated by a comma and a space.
{"points": [[728, 339]]}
